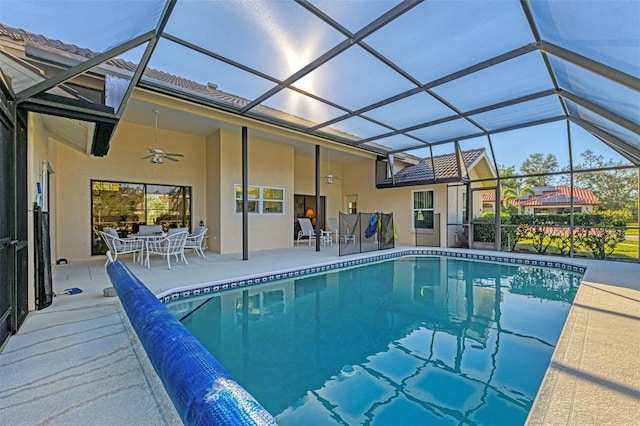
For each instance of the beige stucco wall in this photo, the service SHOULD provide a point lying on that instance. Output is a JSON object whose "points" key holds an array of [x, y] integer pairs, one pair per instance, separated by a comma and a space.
{"points": [[270, 164], [74, 171], [359, 179], [584, 208], [213, 177], [40, 148], [305, 183]]}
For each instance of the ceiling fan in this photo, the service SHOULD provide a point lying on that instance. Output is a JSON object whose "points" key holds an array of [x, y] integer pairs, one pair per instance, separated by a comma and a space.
{"points": [[156, 155], [329, 178]]}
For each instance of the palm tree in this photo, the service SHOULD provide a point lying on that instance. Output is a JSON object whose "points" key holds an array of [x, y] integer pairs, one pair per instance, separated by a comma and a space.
{"points": [[509, 194]]}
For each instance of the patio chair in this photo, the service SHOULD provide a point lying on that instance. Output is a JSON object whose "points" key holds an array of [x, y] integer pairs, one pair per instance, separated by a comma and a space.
{"points": [[195, 241], [150, 229], [174, 230], [348, 236], [117, 245], [333, 227], [171, 245], [306, 230]]}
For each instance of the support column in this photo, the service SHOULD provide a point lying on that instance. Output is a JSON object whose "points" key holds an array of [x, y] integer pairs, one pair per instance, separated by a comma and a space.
{"points": [[245, 196], [317, 197]]}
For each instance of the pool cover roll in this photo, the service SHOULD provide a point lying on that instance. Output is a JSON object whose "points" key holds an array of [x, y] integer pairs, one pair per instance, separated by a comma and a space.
{"points": [[203, 392]]}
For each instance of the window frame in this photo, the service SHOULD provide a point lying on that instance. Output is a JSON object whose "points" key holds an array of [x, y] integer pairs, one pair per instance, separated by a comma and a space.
{"points": [[423, 210], [258, 200]]}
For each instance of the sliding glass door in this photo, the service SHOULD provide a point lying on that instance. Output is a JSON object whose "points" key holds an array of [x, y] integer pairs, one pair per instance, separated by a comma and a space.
{"points": [[125, 206]]}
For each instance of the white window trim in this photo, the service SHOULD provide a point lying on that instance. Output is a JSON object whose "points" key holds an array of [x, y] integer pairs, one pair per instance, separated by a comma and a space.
{"points": [[413, 210], [260, 200]]}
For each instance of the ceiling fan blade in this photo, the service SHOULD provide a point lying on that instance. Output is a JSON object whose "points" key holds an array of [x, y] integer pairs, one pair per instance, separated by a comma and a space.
{"points": [[174, 155], [169, 158], [147, 156]]}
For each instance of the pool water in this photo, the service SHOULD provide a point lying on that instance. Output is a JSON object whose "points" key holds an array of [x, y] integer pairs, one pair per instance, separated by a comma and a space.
{"points": [[411, 341]]}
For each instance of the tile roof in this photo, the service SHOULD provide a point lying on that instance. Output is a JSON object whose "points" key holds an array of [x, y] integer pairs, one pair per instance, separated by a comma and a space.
{"points": [[551, 195], [446, 168]]}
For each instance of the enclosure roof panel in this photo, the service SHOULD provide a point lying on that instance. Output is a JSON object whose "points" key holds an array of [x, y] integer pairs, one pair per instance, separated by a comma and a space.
{"points": [[386, 76]]}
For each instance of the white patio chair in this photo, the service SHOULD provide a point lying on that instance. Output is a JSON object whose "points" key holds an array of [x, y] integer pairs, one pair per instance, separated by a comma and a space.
{"points": [[306, 230], [348, 236], [118, 246], [334, 230], [150, 229], [332, 224], [175, 230], [195, 241], [171, 245]]}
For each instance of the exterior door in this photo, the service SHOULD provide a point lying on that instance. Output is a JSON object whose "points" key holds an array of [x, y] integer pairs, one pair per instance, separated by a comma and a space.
{"points": [[304, 206], [13, 217]]}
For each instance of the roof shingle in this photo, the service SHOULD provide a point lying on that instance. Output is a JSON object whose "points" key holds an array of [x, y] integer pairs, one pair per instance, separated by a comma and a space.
{"points": [[446, 168], [551, 195]]}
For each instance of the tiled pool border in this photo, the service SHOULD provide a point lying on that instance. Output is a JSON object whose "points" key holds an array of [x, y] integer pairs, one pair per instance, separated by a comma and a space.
{"points": [[211, 288]]}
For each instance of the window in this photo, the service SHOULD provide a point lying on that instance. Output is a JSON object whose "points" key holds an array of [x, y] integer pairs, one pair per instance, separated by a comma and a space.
{"points": [[423, 210], [267, 304], [464, 217], [272, 200], [262, 200], [352, 204]]}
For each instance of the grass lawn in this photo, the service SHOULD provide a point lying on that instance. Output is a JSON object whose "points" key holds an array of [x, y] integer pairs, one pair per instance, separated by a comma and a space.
{"points": [[626, 251]]}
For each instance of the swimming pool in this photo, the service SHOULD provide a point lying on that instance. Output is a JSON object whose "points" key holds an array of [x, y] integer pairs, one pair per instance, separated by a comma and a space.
{"points": [[415, 340]]}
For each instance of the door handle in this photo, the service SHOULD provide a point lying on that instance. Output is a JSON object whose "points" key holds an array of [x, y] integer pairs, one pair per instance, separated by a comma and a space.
{"points": [[9, 243]]}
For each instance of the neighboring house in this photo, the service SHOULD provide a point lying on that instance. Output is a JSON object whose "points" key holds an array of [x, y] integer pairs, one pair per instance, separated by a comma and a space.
{"points": [[549, 200], [442, 169]]}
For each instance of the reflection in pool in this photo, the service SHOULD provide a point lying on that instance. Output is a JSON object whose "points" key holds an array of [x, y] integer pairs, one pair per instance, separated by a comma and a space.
{"points": [[416, 340]]}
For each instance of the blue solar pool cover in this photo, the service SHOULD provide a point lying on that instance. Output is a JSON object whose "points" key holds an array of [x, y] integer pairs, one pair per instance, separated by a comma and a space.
{"points": [[203, 392]]}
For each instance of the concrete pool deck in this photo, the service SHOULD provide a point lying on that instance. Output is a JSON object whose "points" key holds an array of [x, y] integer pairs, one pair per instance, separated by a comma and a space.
{"points": [[78, 362]]}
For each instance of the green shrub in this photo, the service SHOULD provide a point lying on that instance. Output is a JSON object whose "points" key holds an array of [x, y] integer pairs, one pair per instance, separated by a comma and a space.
{"points": [[484, 229], [601, 233], [598, 233]]}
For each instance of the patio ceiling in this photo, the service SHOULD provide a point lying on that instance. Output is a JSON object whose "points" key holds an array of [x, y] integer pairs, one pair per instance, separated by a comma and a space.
{"points": [[386, 76]]}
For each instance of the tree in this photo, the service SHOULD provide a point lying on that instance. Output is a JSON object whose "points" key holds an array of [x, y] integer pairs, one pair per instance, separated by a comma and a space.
{"points": [[505, 173], [615, 189], [539, 163], [509, 194]]}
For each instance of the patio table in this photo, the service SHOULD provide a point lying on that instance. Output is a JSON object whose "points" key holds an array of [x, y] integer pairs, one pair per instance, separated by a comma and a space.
{"points": [[325, 237], [146, 238]]}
